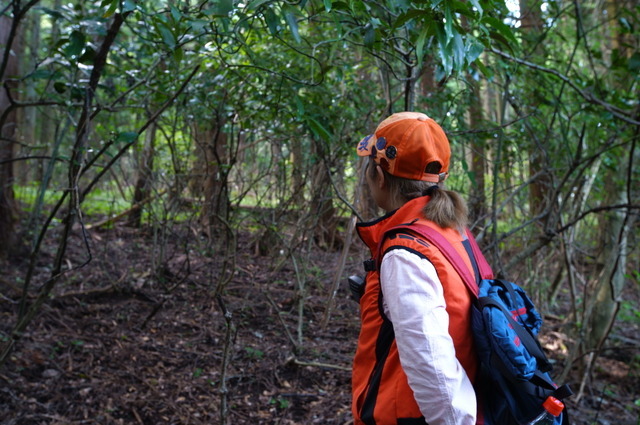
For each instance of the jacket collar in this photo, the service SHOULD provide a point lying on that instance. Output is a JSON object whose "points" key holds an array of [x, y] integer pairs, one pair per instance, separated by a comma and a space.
{"points": [[372, 231]]}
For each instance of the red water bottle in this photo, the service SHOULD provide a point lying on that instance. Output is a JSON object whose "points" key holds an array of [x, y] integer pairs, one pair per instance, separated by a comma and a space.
{"points": [[552, 409]]}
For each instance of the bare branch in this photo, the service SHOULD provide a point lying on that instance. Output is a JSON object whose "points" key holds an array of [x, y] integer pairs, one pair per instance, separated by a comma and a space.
{"points": [[596, 210], [620, 113]]}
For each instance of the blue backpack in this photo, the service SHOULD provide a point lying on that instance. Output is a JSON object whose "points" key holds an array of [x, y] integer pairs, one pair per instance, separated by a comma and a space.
{"points": [[514, 378]]}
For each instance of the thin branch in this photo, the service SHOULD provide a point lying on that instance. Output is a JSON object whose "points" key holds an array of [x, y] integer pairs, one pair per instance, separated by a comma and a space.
{"points": [[546, 238], [596, 210], [134, 207], [27, 158], [316, 364], [15, 22], [620, 113], [153, 117]]}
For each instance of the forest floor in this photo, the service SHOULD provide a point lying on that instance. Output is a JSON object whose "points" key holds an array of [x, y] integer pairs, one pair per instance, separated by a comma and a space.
{"points": [[118, 344]]}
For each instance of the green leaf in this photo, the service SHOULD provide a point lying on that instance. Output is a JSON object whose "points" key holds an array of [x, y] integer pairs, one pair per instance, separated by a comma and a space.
{"points": [[425, 32], [198, 372], [272, 20], [626, 26], [128, 6], [476, 4], [448, 25], [487, 72], [167, 36], [327, 5], [369, 36], [53, 13], [299, 106], [87, 56], [127, 136], [225, 7], [41, 74], [198, 25], [501, 28], [293, 23], [175, 13], [634, 62], [113, 6], [319, 130], [420, 45], [76, 44], [473, 50], [458, 50], [60, 87], [256, 4], [340, 5], [410, 15], [445, 50], [178, 54]]}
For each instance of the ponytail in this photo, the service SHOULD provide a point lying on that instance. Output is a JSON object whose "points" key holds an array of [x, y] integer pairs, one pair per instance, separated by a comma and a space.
{"points": [[445, 208]]}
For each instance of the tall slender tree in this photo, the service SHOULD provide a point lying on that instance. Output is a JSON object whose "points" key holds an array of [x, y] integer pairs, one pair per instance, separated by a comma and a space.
{"points": [[8, 75]]}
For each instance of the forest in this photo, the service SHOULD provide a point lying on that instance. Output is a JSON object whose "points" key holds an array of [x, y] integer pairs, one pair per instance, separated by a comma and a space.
{"points": [[179, 189]]}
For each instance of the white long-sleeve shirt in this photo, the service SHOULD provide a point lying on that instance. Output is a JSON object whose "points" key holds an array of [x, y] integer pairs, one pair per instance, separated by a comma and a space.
{"points": [[413, 299]]}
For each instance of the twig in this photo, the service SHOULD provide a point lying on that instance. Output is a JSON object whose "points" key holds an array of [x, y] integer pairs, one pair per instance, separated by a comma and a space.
{"points": [[316, 364], [15, 22], [338, 275], [75, 169], [284, 325], [26, 158], [620, 113], [228, 339], [110, 220], [154, 117], [339, 195], [595, 210]]}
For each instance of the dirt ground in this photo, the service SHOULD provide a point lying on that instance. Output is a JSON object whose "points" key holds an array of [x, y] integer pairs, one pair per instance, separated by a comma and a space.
{"points": [[118, 344]]}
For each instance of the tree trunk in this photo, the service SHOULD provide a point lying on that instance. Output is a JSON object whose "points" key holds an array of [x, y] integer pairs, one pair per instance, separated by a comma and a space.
{"points": [[48, 116], [477, 197], [297, 173], [211, 143], [615, 227], [27, 117], [531, 26], [144, 175], [8, 208], [325, 233]]}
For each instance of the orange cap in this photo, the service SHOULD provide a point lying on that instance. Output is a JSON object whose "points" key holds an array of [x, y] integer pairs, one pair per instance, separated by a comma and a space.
{"points": [[553, 406], [409, 145]]}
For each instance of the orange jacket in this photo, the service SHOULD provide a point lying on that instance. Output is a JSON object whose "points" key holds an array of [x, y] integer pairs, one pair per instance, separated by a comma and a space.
{"points": [[381, 393]]}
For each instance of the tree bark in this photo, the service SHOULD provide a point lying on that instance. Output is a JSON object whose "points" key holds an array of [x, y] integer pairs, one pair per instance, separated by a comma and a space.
{"points": [[477, 197], [26, 128], [325, 233], [211, 143], [8, 207], [144, 175], [532, 25], [297, 173], [615, 225]]}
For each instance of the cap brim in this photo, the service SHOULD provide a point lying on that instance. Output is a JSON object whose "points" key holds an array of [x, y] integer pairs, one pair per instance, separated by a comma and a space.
{"points": [[365, 147]]}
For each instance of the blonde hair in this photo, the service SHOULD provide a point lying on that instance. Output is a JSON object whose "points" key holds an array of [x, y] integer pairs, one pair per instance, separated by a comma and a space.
{"points": [[446, 208]]}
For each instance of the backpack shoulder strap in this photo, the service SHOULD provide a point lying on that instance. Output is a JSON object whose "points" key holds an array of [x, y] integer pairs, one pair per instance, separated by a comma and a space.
{"points": [[483, 266], [444, 246]]}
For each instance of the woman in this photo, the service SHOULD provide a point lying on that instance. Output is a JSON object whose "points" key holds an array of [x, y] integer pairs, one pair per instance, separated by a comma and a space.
{"points": [[415, 362]]}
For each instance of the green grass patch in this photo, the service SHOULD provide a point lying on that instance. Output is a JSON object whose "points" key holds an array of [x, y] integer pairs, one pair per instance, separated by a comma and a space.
{"points": [[28, 196]]}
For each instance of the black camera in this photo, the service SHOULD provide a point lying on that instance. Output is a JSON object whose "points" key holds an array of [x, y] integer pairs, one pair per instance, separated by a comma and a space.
{"points": [[356, 286]]}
